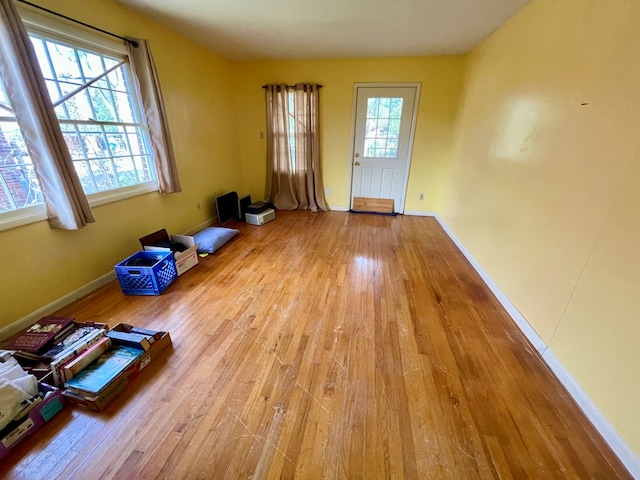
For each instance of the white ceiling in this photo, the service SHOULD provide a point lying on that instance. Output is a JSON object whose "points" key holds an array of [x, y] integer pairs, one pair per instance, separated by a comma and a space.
{"points": [[285, 29]]}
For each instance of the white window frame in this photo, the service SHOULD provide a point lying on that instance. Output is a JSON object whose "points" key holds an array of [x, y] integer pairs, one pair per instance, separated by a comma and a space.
{"points": [[67, 32]]}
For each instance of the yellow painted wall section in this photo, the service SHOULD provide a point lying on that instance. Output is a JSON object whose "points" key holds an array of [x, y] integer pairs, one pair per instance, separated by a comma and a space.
{"points": [[41, 265], [546, 186], [441, 79]]}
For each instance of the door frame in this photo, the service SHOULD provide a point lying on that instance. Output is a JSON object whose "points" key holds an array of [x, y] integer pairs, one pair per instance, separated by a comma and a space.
{"points": [[352, 152]]}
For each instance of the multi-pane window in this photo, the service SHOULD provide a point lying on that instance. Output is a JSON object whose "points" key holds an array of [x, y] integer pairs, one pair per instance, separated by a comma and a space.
{"points": [[91, 87], [98, 113], [383, 127], [19, 186]]}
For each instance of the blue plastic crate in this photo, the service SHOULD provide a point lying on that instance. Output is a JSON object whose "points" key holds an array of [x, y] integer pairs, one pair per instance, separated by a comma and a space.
{"points": [[143, 280]]}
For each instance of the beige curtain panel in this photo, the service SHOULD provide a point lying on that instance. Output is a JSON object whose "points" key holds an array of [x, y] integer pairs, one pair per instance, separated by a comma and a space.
{"points": [[307, 152], [145, 73], [294, 175], [65, 202], [280, 189]]}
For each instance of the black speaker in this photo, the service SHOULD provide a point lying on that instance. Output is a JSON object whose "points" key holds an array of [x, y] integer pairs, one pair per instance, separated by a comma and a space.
{"points": [[243, 203]]}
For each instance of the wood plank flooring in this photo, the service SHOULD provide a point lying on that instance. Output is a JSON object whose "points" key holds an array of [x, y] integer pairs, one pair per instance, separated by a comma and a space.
{"points": [[325, 346]]}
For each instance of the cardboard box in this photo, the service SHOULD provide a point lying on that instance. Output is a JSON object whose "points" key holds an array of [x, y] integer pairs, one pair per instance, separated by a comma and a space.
{"points": [[187, 259], [184, 260], [118, 384], [38, 416]]}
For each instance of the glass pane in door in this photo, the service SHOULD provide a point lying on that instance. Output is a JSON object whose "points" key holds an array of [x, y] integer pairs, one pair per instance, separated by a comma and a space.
{"points": [[383, 127]]}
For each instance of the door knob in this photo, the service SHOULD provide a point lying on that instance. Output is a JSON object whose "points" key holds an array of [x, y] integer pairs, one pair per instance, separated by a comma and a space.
{"points": [[357, 154], [357, 164]]}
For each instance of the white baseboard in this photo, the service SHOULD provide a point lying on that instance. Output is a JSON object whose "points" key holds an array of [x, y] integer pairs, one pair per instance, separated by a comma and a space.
{"points": [[337, 208], [204, 224], [535, 339], [15, 327], [57, 304], [418, 213], [628, 458]]}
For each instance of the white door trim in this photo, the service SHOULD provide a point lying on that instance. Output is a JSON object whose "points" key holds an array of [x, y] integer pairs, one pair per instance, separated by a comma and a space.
{"points": [[414, 119]]}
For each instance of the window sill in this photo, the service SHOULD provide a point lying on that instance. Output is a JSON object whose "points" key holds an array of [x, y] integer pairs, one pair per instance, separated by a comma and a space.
{"points": [[21, 217], [37, 213], [110, 196]]}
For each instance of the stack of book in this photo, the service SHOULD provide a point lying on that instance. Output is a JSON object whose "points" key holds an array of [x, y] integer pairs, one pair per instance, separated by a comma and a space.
{"points": [[96, 371], [100, 381], [46, 346], [88, 362], [41, 334], [93, 371], [99, 374]]}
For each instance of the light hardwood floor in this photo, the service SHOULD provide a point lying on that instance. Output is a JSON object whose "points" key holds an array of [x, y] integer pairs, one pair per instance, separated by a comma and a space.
{"points": [[328, 345]]}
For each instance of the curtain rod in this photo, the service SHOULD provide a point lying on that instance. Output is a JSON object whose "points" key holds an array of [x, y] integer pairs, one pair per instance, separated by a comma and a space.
{"points": [[288, 86], [73, 20]]}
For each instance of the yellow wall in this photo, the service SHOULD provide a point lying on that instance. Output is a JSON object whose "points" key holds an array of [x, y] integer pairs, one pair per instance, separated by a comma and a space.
{"points": [[546, 189], [542, 186], [441, 79], [216, 113], [40, 265]]}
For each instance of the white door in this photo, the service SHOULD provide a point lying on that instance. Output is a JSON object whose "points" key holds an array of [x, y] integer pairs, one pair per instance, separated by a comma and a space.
{"points": [[383, 135]]}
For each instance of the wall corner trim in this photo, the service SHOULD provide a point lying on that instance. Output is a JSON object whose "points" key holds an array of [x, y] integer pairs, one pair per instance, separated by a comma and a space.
{"points": [[628, 458]]}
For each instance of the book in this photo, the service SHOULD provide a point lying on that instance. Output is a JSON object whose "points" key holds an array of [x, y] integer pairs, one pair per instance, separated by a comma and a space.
{"points": [[63, 333], [150, 333], [75, 366], [40, 334], [65, 343], [72, 351], [101, 372], [131, 339], [38, 368], [28, 405]]}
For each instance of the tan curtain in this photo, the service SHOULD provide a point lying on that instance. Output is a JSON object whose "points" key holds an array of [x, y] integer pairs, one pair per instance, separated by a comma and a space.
{"points": [[307, 152], [65, 202], [294, 181], [145, 73]]}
